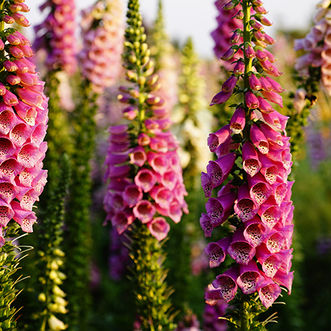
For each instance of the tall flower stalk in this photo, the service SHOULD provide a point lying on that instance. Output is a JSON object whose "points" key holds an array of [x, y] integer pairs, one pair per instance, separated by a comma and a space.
{"points": [[313, 74], [101, 29], [52, 303], [192, 123], [189, 112], [145, 178], [56, 41], [313, 67], [23, 123], [77, 219], [56, 35], [248, 183]]}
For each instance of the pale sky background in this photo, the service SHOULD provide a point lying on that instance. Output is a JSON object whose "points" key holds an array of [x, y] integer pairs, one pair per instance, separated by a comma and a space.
{"points": [[196, 18]]}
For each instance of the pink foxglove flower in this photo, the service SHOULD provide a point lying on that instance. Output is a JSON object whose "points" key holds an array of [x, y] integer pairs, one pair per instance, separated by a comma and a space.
{"points": [[249, 177], [57, 35], [154, 192], [143, 166], [317, 47], [225, 35], [23, 124], [102, 32]]}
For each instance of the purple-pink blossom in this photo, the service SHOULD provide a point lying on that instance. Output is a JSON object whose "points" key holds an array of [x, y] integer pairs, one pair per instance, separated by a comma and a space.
{"points": [[56, 35], [317, 48], [224, 36], [144, 172], [102, 31], [23, 124]]}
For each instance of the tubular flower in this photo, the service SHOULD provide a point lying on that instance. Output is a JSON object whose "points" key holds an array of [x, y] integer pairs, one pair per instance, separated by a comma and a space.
{"points": [[316, 62], [102, 32], [56, 34], [250, 179], [226, 33], [23, 124], [143, 167]]}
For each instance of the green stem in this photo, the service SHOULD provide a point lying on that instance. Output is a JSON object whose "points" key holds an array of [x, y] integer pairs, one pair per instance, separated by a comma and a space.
{"points": [[152, 293], [43, 326], [245, 305], [9, 265], [245, 325], [2, 23], [247, 39], [78, 241]]}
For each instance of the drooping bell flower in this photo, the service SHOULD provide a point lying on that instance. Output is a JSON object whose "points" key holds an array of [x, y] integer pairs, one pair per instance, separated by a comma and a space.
{"points": [[57, 35], [23, 124], [247, 185], [102, 31]]}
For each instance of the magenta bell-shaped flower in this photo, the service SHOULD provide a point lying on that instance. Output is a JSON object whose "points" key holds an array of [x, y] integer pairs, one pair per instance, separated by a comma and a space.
{"points": [[251, 100], [238, 121], [216, 252], [249, 277]]}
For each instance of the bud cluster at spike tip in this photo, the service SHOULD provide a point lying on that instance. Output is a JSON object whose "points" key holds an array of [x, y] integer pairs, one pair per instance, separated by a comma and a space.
{"points": [[56, 35], [102, 31], [143, 167], [224, 35], [317, 47], [23, 124], [249, 178]]}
